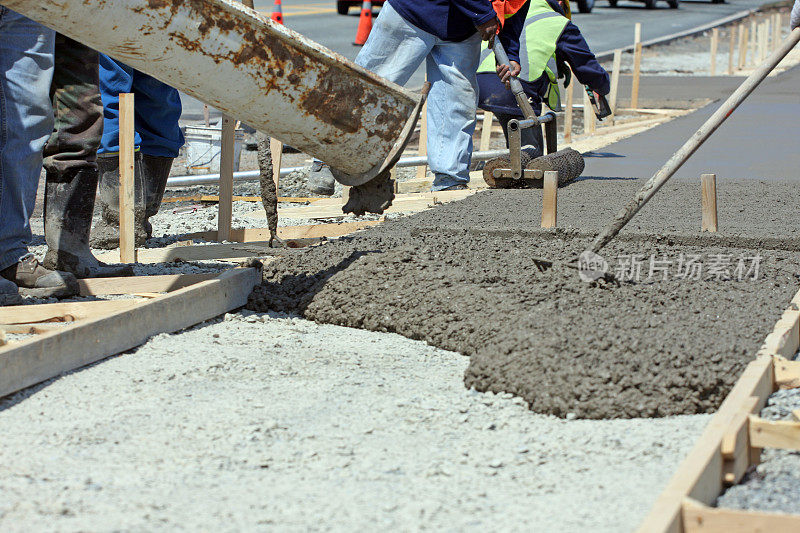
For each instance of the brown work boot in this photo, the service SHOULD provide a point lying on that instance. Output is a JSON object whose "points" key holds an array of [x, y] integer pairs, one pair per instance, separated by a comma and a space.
{"points": [[35, 280]]}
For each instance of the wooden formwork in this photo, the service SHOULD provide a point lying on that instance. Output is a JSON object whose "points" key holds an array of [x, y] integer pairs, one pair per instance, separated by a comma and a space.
{"points": [[732, 443], [67, 336]]}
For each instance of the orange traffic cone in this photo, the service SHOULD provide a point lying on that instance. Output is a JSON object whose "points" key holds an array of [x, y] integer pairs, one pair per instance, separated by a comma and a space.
{"points": [[364, 23], [277, 12]]}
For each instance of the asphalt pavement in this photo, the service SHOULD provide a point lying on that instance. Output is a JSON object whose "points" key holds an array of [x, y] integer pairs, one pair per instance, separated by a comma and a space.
{"points": [[605, 28]]}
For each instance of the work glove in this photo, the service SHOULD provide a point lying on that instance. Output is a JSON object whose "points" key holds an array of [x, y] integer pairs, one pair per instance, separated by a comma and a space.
{"points": [[795, 20], [565, 72]]}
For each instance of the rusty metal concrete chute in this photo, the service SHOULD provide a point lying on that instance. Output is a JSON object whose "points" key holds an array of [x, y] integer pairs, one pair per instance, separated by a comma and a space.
{"points": [[249, 67]]}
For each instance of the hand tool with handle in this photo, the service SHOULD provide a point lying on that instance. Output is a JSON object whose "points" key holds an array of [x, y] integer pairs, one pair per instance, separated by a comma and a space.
{"points": [[516, 86]]}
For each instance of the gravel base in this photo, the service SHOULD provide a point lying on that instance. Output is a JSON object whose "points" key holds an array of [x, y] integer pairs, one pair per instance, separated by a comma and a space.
{"points": [[268, 422], [774, 485]]}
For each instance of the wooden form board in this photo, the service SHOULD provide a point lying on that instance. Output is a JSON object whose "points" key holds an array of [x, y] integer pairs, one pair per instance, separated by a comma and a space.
{"points": [[723, 451], [309, 231], [50, 354], [140, 284], [403, 203], [210, 198], [204, 252], [699, 518], [62, 312]]}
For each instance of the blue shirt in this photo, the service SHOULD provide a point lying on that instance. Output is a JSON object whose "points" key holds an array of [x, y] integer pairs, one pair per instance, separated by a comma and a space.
{"points": [[570, 48], [456, 20]]}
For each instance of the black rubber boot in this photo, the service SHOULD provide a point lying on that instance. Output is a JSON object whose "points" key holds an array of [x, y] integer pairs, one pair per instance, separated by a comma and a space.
{"points": [[155, 172], [68, 208], [105, 233]]}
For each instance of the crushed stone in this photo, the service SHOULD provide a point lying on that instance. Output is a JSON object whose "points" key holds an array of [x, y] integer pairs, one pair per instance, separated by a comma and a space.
{"points": [[250, 422]]}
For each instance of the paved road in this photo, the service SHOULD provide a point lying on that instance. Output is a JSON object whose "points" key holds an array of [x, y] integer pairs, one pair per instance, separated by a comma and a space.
{"points": [[605, 28]]}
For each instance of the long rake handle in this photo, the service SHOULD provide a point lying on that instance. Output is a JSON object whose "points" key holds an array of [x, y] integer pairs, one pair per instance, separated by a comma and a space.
{"points": [[516, 87], [695, 141]]}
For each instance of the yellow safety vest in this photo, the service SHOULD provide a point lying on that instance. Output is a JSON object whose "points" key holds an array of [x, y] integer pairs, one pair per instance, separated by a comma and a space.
{"points": [[542, 29]]}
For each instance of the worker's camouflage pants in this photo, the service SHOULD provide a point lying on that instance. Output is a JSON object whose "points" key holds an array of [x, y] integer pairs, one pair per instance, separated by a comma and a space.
{"points": [[77, 108]]}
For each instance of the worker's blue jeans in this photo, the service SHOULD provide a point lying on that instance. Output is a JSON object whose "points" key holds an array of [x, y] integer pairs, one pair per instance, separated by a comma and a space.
{"points": [[394, 50], [157, 108], [26, 122]]}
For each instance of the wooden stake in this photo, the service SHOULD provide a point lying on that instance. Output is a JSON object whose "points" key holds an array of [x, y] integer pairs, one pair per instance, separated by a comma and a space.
{"points": [[637, 64], [753, 40], [731, 49], [127, 185], [776, 31], [588, 115], [742, 46], [615, 68], [225, 207], [568, 113], [486, 131], [422, 170], [709, 202], [206, 116], [714, 43], [550, 199], [276, 150], [762, 41]]}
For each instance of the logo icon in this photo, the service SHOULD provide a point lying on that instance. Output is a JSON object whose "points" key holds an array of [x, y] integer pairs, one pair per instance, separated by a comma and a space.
{"points": [[591, 266]]}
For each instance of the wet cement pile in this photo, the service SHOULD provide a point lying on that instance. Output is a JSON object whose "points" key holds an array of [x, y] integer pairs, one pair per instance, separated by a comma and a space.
{"points": [[647, 348]]}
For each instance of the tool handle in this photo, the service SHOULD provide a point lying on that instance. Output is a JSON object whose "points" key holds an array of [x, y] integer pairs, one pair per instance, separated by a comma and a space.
{"points": [[516, 87], [695, 141]]}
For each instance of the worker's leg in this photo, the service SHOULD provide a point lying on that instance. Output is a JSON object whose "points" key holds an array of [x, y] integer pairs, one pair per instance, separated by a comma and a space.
{"points": [[70, 162], [158, 109], [393, 50], [529, 136], [452, 104], [115, 78], [26, 119]]}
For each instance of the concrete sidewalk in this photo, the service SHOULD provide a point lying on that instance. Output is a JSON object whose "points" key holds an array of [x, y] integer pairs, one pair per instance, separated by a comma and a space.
{"points": [[759, 141]]}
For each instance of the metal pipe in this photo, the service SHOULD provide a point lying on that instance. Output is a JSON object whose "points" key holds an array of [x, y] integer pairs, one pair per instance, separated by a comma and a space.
{"points": [[253, 175]]}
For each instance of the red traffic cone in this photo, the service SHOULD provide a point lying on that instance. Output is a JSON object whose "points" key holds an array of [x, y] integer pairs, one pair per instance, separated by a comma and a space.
{"points": [[364, 23], [277, 12]]}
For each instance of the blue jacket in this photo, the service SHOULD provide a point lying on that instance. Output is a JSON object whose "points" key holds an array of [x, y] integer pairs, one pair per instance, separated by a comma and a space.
{"points": [[570, 48], [456, 20]]}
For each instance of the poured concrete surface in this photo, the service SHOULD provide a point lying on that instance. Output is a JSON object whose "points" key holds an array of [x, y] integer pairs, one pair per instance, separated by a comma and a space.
{"points": [[757, 142], [266, 423], [462, 277]]}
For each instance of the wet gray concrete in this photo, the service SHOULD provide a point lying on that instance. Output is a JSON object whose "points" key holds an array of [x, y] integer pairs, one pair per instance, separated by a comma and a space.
{"points": [[462, 277], [757, 142]]}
